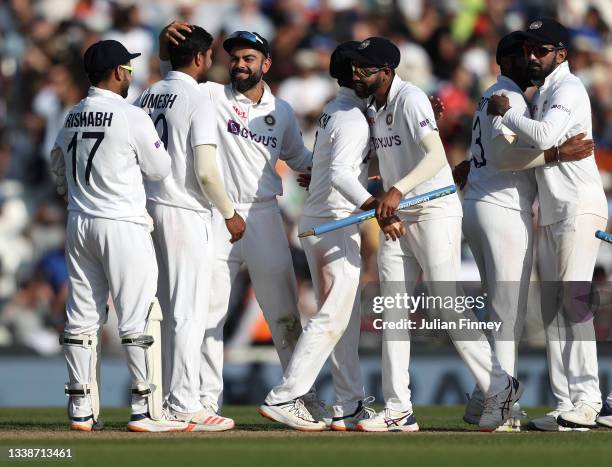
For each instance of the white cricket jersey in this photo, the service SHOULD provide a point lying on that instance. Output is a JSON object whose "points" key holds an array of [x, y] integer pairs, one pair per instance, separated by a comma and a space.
{"points": [[513, 190], [252, 138], [107, 145], [397, 130], [184, 117], [560, 110], [339, 170]]}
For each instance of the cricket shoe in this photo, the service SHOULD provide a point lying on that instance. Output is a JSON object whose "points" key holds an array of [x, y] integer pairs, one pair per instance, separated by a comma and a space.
{"points": [[549, 422], [204, 420], [294, 414], [144, 423], [583, 415], [474, 407], [390, 420], [85, 424], [516, 419], [497, 408], [350, 422], [318, 409], [605, 416]]}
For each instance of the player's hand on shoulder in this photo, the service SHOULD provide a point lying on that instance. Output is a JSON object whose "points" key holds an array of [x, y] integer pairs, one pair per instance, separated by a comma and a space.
{"points": [[236, 227], [576, 148], [460, 174], [438, 107], [389, 203], [498, 105], [171, 34], [392, 227]]}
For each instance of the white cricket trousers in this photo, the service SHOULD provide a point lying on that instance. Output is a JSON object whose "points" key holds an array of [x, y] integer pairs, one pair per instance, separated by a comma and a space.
{"points": [[105, 255], [501, 240], [334, 260], [184, 256], [264, 249], [432, 246], [567, 251]]}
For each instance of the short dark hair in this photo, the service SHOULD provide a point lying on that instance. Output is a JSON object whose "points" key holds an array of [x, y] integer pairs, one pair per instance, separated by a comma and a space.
{"points": [[95, 77], [198, 40]]}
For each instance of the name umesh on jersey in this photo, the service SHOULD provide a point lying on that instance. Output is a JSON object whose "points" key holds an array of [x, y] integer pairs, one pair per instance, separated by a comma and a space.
{"points": [[82, 119], [158, 101]]}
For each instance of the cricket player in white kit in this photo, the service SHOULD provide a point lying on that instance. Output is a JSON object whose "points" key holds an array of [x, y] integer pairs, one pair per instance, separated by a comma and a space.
{"points": [[572, 207], [255, 130], [336, 190], [497, 207], [181, 209], [412, 161], [101, 154]]}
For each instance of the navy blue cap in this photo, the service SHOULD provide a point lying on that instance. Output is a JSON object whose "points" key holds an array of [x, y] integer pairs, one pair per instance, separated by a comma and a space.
{"points": [[251, 39], [340, 64], [106, 55], [375, 51], [510, 44], [547, 31]]}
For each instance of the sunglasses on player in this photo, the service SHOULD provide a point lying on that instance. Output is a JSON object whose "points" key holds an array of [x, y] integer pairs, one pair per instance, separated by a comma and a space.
{"points": [[129, 68], [365, 72], [247, 36], [539, 51]]}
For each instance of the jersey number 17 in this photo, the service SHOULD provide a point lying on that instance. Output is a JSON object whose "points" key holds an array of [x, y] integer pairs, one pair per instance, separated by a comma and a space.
{"points": [[98, 136]]}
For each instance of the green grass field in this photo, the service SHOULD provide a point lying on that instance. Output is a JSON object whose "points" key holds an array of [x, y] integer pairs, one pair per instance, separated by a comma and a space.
{"points": [[444, 440]]}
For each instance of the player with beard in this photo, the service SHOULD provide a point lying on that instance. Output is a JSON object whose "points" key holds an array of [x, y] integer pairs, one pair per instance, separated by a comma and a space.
{"points": [[412, 161], [572, 207], [255, 130]]}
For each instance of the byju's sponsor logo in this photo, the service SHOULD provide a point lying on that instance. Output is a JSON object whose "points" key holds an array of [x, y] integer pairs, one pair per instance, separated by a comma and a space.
{"points": [[235, 128], [386, 142]]}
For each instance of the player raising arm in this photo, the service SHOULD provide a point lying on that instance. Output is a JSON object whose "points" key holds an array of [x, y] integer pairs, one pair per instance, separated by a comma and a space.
{"points": [[181, 209], [101, 154]]}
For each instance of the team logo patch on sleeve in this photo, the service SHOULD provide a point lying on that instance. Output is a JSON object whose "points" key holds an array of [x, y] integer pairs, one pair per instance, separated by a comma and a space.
{"points": [[425, 122]]}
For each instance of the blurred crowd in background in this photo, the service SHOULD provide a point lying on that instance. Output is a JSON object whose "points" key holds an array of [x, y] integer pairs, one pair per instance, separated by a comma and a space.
{"points": [[447, 47]]}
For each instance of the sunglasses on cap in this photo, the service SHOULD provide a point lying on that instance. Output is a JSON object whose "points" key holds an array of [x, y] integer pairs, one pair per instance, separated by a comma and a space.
{"points": [[365, 72], [129, 68], [247, 36], [539, 51]]}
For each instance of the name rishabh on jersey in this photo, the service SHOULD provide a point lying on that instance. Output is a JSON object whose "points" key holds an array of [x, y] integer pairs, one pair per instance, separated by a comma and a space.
{"points": [[184, 118], [512, 190], [339, 157], [107, 145], [397, 130]]}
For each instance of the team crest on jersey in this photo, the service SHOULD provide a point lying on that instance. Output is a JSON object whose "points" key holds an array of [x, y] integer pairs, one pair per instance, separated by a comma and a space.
{"points": [[535, 25], [270, 120], [389, 119]]}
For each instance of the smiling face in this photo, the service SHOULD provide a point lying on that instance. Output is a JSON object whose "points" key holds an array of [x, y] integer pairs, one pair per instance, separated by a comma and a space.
{"points": [[247, 67]]}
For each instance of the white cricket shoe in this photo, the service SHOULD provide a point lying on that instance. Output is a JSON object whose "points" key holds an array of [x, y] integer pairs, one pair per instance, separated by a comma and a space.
{"points": [[548, 422], [167, 423], [294, 414], [317, 409], [516, 419], [390, 420], [583, 415], [350, 422], [474, 407], [497, 408], [204, 420], [85, 424], [605, 416]]}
